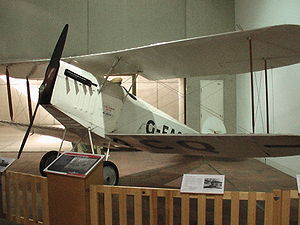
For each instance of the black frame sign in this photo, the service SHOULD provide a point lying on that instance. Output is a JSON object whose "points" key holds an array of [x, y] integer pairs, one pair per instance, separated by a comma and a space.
{"points": [[74, 164], [5, 163]]}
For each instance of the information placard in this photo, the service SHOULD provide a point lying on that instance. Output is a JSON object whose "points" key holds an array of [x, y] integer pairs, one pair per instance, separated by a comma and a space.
{"points": [[203, 183], [74, 164], [5, 163]]}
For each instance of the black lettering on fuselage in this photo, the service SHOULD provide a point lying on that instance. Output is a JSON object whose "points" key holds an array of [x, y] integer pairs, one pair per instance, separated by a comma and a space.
{"points": [[151, 128], [165, 129]]}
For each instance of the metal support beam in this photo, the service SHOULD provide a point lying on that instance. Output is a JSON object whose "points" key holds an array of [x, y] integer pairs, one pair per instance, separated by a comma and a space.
{"points": [[133, 81], [91, 141], [252, 85], [115, 63], [29, 100], [62, 140], [267, 97], [10, 104]]}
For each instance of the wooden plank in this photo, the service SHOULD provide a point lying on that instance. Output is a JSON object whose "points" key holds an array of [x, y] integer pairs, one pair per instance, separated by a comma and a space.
{"points": [[276, 207], [201, 208], [108, 206], [153, 207], [268, 218], [185, 209], [169, 208], [138, 208], [218, 209], [94, 205], [294, 194], [15, 189], [285, 207], [25, 197], [34, 199], [45, 201], [122, 207], [7, 197], [251, 214], [235, 208], [162, 192]]}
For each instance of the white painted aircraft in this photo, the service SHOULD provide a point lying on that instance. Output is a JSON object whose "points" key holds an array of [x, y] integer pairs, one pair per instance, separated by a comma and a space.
{"points": [[98, 112]]}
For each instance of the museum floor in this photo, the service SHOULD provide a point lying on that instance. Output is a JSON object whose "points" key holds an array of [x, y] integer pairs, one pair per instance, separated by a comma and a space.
{"points": [[153, 170]]}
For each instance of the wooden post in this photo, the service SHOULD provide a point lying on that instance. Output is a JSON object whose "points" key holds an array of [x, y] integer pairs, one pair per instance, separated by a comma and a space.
{"points": [[251, 214], [285, 207], [218, 209], [277, 207], [185, 209], [153, 207], [201, 204], [235, 208], [69, 197]]}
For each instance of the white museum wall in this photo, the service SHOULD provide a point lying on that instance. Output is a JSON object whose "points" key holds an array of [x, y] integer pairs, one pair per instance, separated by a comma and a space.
{"points": [[284, 91], [31, 29]]}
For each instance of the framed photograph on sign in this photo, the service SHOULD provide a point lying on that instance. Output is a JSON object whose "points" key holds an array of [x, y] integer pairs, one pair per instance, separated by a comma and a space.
{"points": [[298, 182], [74, 164], [5, 163], [202, 183]]}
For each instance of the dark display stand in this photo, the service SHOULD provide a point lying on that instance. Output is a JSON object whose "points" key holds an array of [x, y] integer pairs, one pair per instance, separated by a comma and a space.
{"points": [[69, 199]]}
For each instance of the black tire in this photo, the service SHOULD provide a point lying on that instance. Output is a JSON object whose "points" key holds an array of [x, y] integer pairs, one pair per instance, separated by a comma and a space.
{"points": [[110, 173], [48, 158]]}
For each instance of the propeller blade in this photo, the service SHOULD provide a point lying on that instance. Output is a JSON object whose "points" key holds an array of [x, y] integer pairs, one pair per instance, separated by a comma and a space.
{"points": [[45, 91], [59, 47], [28, 131], [47, 86]]}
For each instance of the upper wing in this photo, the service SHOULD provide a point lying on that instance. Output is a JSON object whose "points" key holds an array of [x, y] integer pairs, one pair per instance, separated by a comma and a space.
{"points": [[226, 53], [231, 146]]}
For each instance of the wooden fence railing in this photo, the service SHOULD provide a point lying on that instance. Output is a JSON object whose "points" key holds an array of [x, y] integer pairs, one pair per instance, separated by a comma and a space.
{"points": [[26, 198], [131, 205]]}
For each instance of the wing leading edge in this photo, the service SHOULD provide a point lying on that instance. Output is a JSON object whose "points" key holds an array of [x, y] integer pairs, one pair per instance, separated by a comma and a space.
{"points": [[226, 53]]}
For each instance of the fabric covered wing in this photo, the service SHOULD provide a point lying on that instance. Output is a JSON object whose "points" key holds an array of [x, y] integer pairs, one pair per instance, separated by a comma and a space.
{"points": [[53, 131], [231, 146], [226, 53]]}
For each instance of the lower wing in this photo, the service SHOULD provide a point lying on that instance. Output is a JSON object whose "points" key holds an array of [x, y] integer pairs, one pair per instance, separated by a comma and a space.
{"points": [[219, 145]]}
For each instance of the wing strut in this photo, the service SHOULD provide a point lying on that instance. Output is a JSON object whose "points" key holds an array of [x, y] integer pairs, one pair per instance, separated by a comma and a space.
{"points": [[267, 96], [10, 104], [29, 100], [91, 140], [252, 92], [115, 63]]}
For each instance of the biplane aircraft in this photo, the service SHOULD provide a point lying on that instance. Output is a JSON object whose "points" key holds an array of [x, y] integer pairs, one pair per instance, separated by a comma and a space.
{"points": [[96, 111]]}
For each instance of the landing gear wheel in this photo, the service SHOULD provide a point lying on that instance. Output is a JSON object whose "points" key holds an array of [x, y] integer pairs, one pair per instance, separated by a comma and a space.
{"points": [[48, 158], [110, 173]]}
